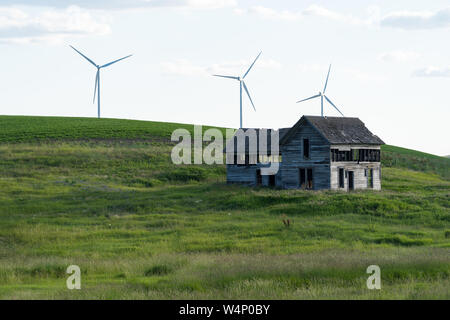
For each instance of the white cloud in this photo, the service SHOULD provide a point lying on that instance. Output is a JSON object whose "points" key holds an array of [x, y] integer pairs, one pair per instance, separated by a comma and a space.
{"points": [[398, 56], [355, 73], [399, 19], [50, 25], [183, 67], [124, 4], [209, 4], [417, 19], [432, 72], [288, 15], [269, 13], [187, 68], [318, 11]]}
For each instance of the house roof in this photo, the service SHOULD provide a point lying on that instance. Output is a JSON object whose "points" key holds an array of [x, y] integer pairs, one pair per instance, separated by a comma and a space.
{"points": [[337, 130]]}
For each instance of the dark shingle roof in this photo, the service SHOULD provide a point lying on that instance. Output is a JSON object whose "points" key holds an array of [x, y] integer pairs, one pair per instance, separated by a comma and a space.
{"points": [[341, 130], [336, 130]]}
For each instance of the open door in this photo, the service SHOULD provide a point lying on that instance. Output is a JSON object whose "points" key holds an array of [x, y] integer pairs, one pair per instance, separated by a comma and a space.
{"points": [[351, 181], [305, 178]]}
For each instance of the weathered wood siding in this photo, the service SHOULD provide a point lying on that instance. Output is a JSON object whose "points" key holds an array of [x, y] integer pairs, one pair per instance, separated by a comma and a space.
{"points": [[247, 175], [360, 180], [292, 159], [325, 172]]}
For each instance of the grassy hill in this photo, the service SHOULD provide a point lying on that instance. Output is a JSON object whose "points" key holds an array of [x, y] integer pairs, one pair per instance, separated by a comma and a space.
{"points": [[104, 195]]}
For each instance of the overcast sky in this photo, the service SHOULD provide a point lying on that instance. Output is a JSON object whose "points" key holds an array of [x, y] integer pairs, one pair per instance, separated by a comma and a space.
{"points": [[390, 62]]}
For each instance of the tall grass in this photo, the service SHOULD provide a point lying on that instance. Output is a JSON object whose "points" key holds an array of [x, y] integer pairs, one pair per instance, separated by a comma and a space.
{"points": [[101, 196]]}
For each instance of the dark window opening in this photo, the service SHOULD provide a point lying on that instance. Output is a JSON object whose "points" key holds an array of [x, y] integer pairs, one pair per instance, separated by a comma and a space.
{"points": [[306, 148], [370, 179], [341, 177], [302, 180], [310, 179], [351, 180], [258, 177], [363, 155]]}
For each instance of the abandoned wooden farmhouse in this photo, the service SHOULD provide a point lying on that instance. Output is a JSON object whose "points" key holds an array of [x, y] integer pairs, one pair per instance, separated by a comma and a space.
{"points": [[317, 153]]}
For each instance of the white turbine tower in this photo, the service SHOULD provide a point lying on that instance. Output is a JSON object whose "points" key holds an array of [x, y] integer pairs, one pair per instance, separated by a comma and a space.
{"points": [[97, 76], [242, 84], [322, 95]]}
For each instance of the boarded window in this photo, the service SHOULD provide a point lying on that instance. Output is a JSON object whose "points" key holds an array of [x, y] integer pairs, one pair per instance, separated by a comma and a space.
{"points": [[306, 148]]}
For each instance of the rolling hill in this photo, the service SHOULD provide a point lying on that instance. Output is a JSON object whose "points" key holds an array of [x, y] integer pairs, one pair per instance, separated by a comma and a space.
{"points": [[103, 194]]}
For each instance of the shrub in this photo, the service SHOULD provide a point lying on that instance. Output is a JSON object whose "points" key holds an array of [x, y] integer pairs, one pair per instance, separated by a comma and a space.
{"points": [[158, 270]]}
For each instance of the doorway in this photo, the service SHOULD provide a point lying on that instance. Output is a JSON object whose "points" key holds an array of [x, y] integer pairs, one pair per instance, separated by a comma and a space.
{"points": [[351, 182], [272, 180], [305, 178], [258, 177]]}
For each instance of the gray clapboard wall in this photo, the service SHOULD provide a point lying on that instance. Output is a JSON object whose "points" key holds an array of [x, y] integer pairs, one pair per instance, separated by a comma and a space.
{"points": [[359, 170], [293, 160]]}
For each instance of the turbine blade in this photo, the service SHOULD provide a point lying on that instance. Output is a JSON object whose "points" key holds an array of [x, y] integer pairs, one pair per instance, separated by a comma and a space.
{"points": [[95, 88], [326, 82], [317, 95], [251, 66], [246, 90], [84, 56], [334, 105], [108, 64], [229, 77]]}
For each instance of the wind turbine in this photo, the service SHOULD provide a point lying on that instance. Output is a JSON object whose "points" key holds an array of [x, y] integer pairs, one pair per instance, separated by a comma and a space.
{"points": [[97, 76], [322, 95], [242, 84]]}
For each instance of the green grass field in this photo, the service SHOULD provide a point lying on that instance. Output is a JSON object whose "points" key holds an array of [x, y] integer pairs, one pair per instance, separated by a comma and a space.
{"points": [[104, 195]]}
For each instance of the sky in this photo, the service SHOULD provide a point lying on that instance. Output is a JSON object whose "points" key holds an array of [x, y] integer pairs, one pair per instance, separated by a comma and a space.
{"points": [[390, 62]]}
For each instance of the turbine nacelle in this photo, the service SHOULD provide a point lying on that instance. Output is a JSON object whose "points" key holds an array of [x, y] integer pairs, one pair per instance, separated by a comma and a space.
{"points": [[97, 76], [322, 96], [242, 85]]}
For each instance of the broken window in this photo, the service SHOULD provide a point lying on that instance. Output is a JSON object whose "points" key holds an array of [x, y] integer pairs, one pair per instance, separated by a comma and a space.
{"points": [[358, 155]]}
